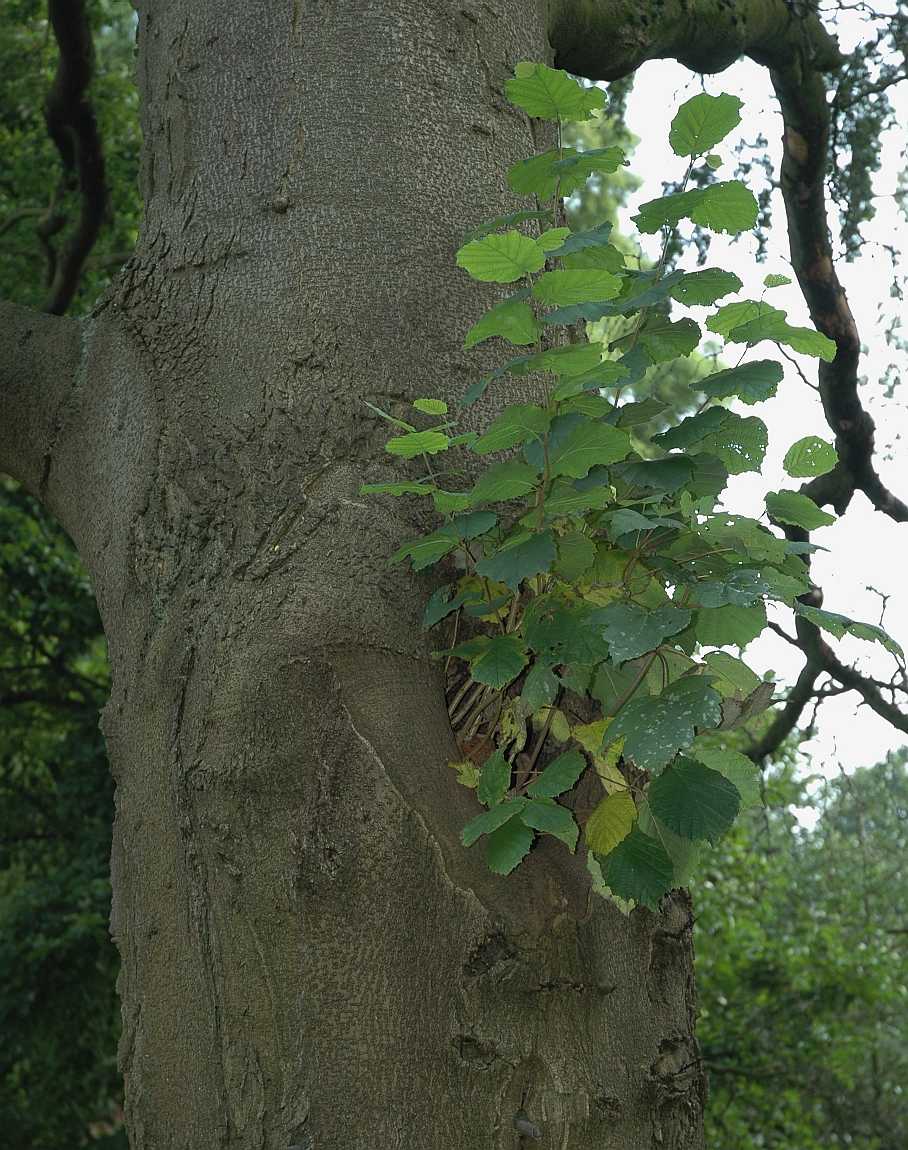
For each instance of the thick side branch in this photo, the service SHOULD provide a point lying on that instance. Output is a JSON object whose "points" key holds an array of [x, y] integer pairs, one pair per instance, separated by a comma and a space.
{"points": [[39, 358]]}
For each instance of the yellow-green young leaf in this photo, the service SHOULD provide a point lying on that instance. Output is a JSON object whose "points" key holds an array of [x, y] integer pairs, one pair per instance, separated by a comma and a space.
{"points": [[591, 736], [724, 207], [702, 122], [775, 280], [713, 161], [467, 773], [431, 406], [512, 320], [551, 94], [501, 258], [810, 456], [553, 238], [800, 510], [771, 324], [611, 822], [417, 443], [561, 288]]}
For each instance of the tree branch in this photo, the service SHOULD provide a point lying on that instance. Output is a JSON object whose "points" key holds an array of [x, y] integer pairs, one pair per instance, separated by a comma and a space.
{"points": [[71, 125], [39, 357]]}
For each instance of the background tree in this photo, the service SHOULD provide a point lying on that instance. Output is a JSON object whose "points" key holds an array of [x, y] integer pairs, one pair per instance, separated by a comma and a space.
{"points": [[214, 495]]}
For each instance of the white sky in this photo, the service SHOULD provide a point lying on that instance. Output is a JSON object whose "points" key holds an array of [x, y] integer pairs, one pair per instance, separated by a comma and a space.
{"points": [[865, 546]]}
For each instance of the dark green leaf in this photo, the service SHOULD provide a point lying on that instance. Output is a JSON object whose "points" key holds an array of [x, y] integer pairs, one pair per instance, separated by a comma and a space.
{"points": [[520, 558], [494, 780], [631, 630], [502, 481], [550, 818], [586, 446], [694, 801], [559, 776], [751, 382], [508, 845], [502, 660], [491, 820], [655, 728], [638, 868], [800, 510], [730, 626], [702, 288]]}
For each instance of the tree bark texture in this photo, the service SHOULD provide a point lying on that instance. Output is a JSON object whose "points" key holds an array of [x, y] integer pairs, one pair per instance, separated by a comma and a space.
{"points": [[309, 957]]}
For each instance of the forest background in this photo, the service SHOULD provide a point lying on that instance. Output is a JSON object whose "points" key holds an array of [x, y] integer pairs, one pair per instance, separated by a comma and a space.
{"points": [[802, 915]]}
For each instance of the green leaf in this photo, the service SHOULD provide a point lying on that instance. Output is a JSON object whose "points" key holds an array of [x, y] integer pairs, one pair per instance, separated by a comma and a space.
{"points": [[810, 456], [655, 728], [694, 801], [431, 406], [713, 162], [448, 501], [737, 768], [702, 122], [564, 499], [664, 340], [559, 776], [396, 489], [775, 280], [512, 320], [732, 676], [417, 443], [501, 661], [771, 324], [702, 288], [591, 161], [537, 176], [561, 288], [550, 818], [800, 510], [730, 626], [739, 442], [503, 481], [723, 207], [576, 553], [596, 237], [839, 625], [551, 94], [501, 258], [572, 359], [425, 550], [440, 605], [491, 820], [508, 846], [540, 688], [638, 868], [631, 630], [552, 238], [516, 424], [741, 586], [468, 526], [521, 557], [507, 221], [752, 382], [611, 822], [494, 780], [588, 445], [667, 474]]}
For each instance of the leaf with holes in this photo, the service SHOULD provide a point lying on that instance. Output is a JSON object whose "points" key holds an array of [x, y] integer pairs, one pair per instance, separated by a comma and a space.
{"points": [[631, 630], [810, 456], [655, 728]]}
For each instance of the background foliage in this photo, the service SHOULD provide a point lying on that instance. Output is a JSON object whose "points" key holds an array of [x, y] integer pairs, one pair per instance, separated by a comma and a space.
{"points": [[801, 935]]}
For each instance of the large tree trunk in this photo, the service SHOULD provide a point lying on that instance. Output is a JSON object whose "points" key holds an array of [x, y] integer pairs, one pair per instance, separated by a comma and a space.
{"points": [[310, 958]]}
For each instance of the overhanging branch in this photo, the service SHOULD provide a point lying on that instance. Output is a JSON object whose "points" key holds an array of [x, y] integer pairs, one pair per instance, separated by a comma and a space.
{"points": [[71, 125]]}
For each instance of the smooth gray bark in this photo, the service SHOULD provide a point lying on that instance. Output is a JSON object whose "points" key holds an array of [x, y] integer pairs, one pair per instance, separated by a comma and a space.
{"points": [[310, 959]]}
